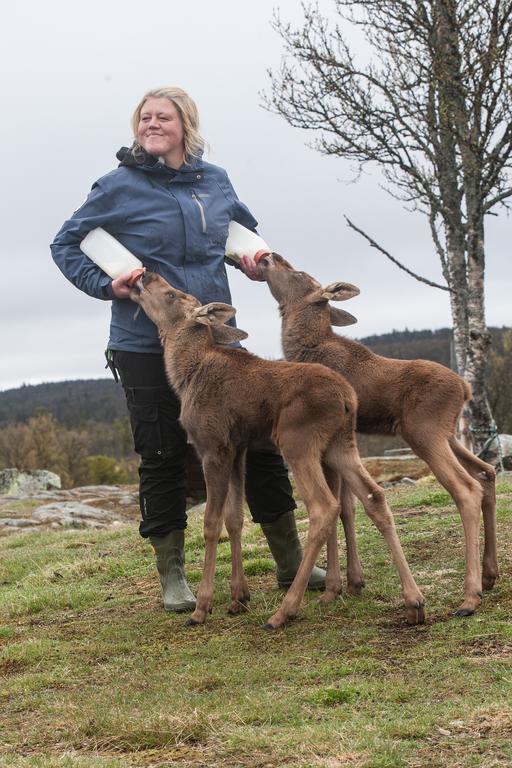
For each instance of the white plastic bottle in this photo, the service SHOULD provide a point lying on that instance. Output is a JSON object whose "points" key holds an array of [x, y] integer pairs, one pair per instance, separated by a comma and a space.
{"points": [[109, 254], [116, 260], [242, 242]]}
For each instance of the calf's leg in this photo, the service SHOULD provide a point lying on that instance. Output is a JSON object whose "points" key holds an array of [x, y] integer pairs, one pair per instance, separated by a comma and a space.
{"points": [[374, 502], [485, 474], [355, 578], [323, 511], [333, 581], [217, 468], [234, 519], [467, 495]]}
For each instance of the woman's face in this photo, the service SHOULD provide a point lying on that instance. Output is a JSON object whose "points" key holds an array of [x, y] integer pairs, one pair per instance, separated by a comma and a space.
{"points": [[160, 130]]}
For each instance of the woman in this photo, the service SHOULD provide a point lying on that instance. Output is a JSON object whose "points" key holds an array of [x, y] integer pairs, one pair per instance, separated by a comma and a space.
{"points": [[172, 210]]}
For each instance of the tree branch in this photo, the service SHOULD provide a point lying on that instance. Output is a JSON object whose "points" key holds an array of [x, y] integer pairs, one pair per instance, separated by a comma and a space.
{"points": [[437, 242], [395, 261], [497, 199]]}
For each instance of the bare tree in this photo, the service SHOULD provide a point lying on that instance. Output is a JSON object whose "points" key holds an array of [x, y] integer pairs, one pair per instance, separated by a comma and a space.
{"points": [[433, 109]]}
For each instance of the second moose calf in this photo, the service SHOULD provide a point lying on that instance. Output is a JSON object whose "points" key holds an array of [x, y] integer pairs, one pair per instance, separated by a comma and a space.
{"points": [[417, 399], [230, 400]]}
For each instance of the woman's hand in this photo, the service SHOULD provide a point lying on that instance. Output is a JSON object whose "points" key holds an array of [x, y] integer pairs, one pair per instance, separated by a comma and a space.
{"points": [[121, 287], [250, 268]]}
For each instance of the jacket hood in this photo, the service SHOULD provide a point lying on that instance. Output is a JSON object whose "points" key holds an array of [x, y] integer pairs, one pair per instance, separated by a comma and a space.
{"points": [[137, 157]]}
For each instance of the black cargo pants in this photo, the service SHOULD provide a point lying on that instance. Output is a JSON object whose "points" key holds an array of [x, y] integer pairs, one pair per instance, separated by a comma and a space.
{"points": [[161, 442]]}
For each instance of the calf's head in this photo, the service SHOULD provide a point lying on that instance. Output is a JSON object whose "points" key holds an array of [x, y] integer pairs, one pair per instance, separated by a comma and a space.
{"points": [[170, 308], [291, 287]]}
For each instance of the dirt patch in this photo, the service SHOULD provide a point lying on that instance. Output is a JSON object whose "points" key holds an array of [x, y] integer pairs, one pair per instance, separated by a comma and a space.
{"points": [[12, 666], [391, 624], [391, 469], [425, 550], [487, 735], [487, 647], [422, 511]]}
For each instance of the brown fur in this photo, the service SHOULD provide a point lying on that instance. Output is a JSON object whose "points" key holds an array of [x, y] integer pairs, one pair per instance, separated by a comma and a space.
{"points": [[230, 400], [417, 399]]}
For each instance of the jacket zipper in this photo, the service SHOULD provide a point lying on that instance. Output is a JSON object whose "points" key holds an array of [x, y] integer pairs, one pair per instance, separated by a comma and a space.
{"points": [[201, 211]]}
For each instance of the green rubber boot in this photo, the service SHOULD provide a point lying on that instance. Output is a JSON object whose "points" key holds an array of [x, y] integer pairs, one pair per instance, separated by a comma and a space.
{"points": [[170, 562], [284, 544]]}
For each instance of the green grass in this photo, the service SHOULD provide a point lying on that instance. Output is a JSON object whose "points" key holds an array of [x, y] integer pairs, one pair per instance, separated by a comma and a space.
{"points": [[93, 674]]}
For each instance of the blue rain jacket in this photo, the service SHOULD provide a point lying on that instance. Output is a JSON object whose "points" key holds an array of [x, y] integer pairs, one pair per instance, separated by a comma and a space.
{"points": [[175, 222]]}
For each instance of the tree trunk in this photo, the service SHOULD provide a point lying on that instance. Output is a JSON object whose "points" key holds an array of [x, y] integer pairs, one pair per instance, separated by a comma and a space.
{"points": [[464, 242], [479, 337], [458, 304]]}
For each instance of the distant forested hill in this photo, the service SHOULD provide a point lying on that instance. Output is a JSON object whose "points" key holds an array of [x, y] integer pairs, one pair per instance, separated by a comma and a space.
{"points": [[76, 403], [428, 345], [71, 402]]}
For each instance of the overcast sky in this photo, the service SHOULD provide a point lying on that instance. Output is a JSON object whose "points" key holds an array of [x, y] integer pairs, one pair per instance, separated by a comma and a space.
{"points": [[71, 75]]}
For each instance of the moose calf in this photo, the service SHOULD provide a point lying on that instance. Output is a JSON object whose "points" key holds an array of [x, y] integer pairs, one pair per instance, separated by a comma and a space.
{"points": [[417, 399], [231, 399]]}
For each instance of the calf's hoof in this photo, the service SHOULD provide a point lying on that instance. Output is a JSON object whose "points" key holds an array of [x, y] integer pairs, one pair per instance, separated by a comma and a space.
{"points": [[329, 596], [355, 587], [469, 606], [415, 614], [193, 623], [198, 617], [238, 606], [277, 620], [488, 582]]}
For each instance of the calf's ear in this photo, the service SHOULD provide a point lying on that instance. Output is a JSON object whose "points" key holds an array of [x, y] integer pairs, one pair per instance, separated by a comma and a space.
{"points": [[340, 317], [225, 334], [214, 313], [340, 291]]}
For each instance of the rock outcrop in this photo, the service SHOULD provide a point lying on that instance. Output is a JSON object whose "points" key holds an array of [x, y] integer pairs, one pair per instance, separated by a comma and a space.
{"points": [[47, 508], [14, 482]]}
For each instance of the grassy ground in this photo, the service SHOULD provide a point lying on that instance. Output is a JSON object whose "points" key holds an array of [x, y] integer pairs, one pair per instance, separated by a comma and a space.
{"points": [[94, 675]]}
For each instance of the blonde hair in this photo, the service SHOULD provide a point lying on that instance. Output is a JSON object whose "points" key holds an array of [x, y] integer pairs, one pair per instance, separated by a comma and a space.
{"points": [[192, 140]]}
